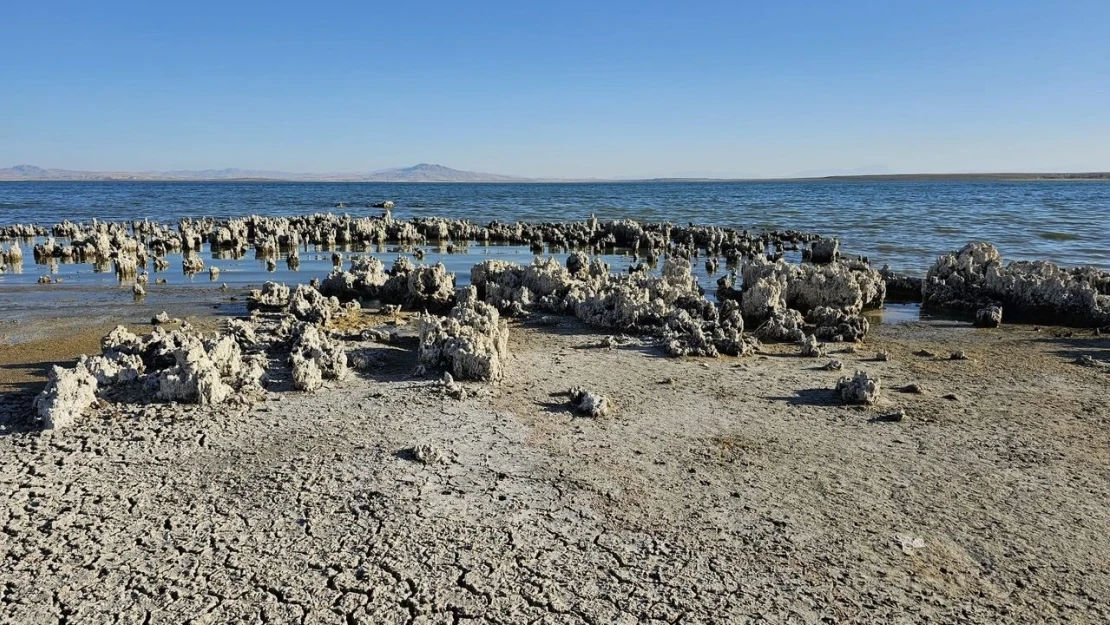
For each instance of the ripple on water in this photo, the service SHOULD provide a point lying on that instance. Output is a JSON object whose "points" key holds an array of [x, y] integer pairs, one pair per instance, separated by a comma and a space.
{"points": [[1058, 236]]}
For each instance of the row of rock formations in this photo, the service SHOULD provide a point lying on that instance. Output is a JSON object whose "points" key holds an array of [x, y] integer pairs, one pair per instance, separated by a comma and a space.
{"points": [[965, 282]]}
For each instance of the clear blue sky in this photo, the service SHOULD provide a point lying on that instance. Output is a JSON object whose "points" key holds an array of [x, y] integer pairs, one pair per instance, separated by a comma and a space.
{"points": [[568, 88]]}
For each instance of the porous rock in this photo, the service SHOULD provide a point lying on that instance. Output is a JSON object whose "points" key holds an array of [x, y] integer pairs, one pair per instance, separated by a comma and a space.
{"points": [[588, 403], [315, 357], [68, 393], [831, 324], [989, 317], [811, 348], [431, 288], [471, 342], [308, 304], [860, 388], [975, 278]]}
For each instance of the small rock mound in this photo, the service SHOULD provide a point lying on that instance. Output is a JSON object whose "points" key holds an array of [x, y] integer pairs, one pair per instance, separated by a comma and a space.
{"points": [[860, 388], [989, 317], [588, 403], [68, 393], [315, 357]]}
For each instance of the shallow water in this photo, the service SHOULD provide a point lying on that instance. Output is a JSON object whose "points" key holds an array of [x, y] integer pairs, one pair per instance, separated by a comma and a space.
{"points": [[903, 223], [84, 286]]}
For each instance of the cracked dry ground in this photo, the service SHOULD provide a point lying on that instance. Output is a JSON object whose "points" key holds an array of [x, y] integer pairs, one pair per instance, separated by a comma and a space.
{"points": [[720, 491]]}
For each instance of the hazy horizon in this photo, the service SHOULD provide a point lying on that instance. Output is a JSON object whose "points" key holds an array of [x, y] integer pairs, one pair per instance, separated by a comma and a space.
{"points": [[619, 91], [398, 174]]}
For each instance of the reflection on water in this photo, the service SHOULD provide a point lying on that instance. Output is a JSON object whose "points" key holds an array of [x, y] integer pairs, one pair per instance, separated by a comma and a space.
{"points": [[78, 284], [81, 287], [894, 313]]}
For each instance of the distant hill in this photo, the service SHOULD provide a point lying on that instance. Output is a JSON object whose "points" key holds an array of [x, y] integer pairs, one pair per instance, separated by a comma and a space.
{"points": [[424, 172]]}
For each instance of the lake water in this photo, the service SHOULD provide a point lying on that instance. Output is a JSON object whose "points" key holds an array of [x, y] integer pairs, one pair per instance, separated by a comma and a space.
{"points": [[903, 223]]}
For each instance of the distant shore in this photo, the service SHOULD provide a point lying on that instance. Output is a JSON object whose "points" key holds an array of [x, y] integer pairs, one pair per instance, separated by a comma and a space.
{"points": [[474, 178]]}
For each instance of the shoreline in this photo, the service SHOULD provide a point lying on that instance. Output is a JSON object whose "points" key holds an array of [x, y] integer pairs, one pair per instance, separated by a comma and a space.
{"points": [[561, 441], [742, 477]]}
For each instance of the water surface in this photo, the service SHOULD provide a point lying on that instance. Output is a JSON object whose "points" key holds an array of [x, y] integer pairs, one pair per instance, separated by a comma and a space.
{"points": [[903, 223]]}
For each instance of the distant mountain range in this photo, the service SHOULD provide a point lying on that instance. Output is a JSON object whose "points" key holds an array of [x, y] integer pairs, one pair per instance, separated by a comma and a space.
{"points": [[423, 172]]}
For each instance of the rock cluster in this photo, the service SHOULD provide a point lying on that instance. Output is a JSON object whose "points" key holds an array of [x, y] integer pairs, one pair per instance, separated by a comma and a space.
{"points": [[975, 278], [669, 306], [420, 287], [849, 286], [788, 301], [168, 365], [271, 237]]}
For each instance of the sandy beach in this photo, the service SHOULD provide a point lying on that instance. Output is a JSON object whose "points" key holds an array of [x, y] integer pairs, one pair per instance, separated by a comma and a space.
{"points": [[717, 490]]}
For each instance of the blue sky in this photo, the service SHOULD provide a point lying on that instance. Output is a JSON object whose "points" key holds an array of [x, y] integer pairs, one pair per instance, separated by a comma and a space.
{"points": [[560, 89]]}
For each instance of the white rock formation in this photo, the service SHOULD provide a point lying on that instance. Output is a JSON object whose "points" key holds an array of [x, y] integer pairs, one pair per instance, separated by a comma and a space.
{"points": [[471, 342], [315, 357], [68, 393]]}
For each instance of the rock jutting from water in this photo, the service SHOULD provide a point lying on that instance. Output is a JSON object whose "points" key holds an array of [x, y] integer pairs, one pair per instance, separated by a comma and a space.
{"points": [[103, 242], [760, 280], [975, 278], [669, 306]]}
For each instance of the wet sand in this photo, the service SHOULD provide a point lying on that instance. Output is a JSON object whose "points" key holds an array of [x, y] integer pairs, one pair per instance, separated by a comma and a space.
{"points": [[28, 349]]}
